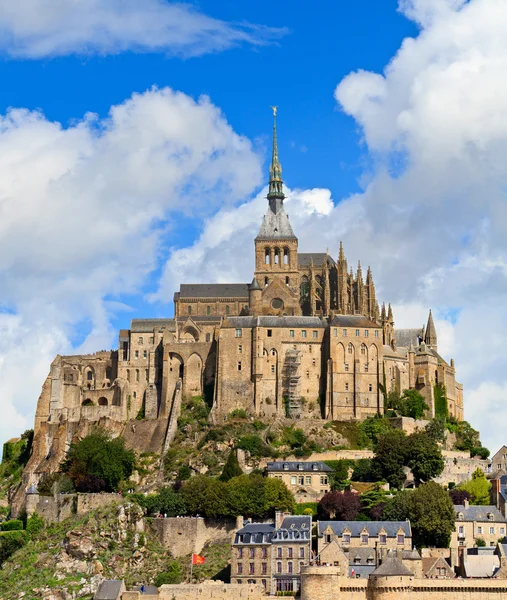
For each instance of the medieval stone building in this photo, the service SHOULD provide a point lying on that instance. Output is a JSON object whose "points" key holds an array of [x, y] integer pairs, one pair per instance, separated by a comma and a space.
{"points": [[305, 338]]}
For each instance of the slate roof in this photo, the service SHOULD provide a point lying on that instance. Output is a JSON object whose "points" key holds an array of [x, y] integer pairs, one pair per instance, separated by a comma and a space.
{"points": [[362, 555], [276, 226], [353, 321], [294, 528], [361, 571], [373, 527], [318, 259], [404, 337], [255, 533], [479, 513], [214, 290], [481, 566], [392, 567], [148, 325], [288, 322], [298, 466], [109, 589]]}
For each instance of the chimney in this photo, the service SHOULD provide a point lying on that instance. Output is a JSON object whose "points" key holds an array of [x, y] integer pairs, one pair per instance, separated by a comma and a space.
{"points": [[466, 503], [279, 517], [240, 522]]}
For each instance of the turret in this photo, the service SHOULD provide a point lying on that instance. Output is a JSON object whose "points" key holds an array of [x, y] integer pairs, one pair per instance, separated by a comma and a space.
{"points": [[254, 297], [430, 336]]}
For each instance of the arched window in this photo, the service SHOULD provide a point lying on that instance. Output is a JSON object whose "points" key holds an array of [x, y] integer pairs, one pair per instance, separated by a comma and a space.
{"points": [[89, 375], [287, 281], [147, 374], [134, 394], [285, 256], [87, 402], [128, 374], [350, 348], [363, 349], [266, 256], [102, 401], [266, 281], [208, 310], [227, 309], [189, 309], [277, 256], [137, 374]]}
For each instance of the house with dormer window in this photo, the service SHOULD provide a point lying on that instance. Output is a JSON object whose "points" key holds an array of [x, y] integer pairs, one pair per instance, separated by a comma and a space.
{"points": [[478, 522], [307, 480], [272, 554], [388, 535]]}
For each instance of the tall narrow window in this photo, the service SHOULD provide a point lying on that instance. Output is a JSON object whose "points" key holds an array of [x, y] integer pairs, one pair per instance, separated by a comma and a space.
{"points": [[287, 281], [285, 256], [128, 374], [239, 366], [227, 309], [266, 281], [266, 256], [208, 310], [137, 374], [239, 333], [147, 374], [277, 256]]}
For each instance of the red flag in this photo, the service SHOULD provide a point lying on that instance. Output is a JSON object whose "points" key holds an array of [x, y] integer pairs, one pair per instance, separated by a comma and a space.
{"points": [[197, 559]]}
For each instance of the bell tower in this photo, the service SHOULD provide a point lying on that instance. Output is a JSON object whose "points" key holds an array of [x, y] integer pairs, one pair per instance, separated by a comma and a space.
{"points": [[276, 246]]}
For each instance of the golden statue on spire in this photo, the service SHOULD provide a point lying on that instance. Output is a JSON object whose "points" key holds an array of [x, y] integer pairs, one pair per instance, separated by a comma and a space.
{"points": [[274, 108]]}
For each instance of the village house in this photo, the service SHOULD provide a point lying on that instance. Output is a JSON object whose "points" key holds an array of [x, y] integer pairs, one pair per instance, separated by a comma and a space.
{"points": [[477, 523], [308, 481]]}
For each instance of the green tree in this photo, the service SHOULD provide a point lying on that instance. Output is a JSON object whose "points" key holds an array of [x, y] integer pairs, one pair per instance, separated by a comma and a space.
{"points": [[278, 496], [431, 514], [374, 427], [412, 404], [423, 457], [10, 541], [247, 496], [231, 467], [34, 525], [436, 430], [363, 470], [340, 474], [467, 437], [390, 458], [98, 462], [166, 502], [398, 507], [478, 488]]}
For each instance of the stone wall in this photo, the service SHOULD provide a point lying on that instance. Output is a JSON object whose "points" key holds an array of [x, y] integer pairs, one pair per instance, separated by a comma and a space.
{"points": [[58, 508], [211, 590], [186, 535], [322, 583]]}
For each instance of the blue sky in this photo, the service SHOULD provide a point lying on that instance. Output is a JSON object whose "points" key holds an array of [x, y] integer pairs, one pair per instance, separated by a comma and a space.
{"points": [[392, 132]]}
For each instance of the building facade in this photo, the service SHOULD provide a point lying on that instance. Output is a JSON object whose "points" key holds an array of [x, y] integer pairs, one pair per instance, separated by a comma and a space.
{"points": [[308, 481], [272, 554], [478, 523]]}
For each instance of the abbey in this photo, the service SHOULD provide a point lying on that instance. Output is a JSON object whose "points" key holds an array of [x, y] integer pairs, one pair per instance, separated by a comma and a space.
{"points": [[306, 338]]}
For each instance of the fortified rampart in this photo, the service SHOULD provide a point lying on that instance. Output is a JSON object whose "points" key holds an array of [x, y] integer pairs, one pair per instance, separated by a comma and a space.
{"points": [[323, 583], [54, 509], [186, 535]]}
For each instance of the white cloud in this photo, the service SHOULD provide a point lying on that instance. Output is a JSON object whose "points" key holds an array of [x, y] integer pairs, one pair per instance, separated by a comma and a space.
{"points": [[84, 210], [45, 28]]}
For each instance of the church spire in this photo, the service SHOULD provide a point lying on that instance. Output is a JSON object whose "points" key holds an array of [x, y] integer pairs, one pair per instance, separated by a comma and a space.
{"points": [[430, 336], [275, 193]]}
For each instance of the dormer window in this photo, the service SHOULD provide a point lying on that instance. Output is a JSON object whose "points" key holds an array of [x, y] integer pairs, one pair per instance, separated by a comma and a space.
{"points": [[314, 467], [460, 516], [285, 467], [490, 517], [300, 467]]}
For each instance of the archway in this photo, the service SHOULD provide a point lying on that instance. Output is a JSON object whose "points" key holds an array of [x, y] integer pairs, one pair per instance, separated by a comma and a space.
{"points": [[87, 402], [102, 401], [193, 375]]}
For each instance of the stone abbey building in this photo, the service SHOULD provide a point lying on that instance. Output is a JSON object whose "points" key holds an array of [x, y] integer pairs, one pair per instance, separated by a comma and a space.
{"points": [[306, 337]]}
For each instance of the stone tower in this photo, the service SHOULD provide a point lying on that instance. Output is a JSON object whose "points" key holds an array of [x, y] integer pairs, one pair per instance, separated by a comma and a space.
{"points": [[276, 248]]}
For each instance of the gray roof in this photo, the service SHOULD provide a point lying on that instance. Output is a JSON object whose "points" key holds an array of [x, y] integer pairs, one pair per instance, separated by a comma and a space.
{"points": [[373, 527], [298, 466], [318, 259], [479, 513], [288, 322], [353, 321], [214, 290], [110, 589], [276, 226], [405, 337], [148, 325], [254, 533], [362, 555], [361, 571], [32, 490], [391, 567]]}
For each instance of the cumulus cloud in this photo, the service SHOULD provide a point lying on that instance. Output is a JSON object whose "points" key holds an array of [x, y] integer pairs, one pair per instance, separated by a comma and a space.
{"points": [[84, 211], [45, 28]]}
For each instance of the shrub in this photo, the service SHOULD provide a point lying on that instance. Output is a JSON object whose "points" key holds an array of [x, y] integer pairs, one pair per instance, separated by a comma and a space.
{"points": [[306, 508], [254, 445], [237, 413], [480, 543], [12, 525], [171, 576], [10, 541], [34, 525]]}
